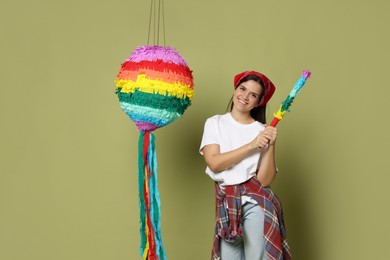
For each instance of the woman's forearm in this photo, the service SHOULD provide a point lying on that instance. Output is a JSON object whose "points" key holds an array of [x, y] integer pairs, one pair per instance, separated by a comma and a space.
{"points": [[218, 162], [267, 170]]}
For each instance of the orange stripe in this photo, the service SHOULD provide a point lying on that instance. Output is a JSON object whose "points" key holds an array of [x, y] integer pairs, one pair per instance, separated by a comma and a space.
{"points": [[156, 75]]}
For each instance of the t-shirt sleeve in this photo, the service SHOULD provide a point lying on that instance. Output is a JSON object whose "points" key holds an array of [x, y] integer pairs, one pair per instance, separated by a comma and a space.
{"points": [[210, 133]]}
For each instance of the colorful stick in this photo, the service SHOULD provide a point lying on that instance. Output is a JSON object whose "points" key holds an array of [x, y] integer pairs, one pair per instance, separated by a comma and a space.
{"points": [[284, 107]]}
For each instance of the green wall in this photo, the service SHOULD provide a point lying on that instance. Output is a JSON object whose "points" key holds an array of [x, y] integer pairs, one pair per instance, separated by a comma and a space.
{"points": [[68, 181]]}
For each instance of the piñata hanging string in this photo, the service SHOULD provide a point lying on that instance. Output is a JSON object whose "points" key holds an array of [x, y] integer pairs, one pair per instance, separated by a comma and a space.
{"points": [[156, 22], [154, 88]]}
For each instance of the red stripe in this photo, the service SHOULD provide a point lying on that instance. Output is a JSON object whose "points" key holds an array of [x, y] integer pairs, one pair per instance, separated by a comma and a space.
{"points": [[157, 65], [274, 122]]}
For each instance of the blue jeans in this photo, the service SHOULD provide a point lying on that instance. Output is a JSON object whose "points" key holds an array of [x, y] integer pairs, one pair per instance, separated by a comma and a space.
{"points": [[252, 246]]}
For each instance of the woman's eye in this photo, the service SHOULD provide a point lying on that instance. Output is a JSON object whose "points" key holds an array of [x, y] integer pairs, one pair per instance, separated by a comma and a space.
{"points": [[254, 95]]}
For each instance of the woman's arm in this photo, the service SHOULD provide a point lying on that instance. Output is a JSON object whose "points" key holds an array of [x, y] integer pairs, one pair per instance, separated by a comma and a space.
{"points": [[267, 170], [218, 161]]}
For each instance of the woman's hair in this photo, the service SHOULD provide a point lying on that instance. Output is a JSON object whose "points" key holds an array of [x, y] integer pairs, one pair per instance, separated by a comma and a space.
{"points": [[257, 113]]}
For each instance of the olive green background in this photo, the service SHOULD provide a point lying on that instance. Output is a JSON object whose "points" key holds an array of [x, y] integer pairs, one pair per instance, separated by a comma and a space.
{"points": [[68, 154]]}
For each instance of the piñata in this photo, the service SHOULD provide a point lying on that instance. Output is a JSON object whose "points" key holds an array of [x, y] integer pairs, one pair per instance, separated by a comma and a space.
{"points": [[154, 86]]}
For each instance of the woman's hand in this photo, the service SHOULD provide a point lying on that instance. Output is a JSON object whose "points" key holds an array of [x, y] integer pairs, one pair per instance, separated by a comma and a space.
{"points": [[268, 135]]}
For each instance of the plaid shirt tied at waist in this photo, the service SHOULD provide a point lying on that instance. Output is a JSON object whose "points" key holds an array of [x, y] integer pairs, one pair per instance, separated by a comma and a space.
{"points": [[228, 218]]}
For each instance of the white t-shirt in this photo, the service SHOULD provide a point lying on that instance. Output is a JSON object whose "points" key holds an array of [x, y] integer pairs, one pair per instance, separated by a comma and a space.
{"points": [[229, 134]]}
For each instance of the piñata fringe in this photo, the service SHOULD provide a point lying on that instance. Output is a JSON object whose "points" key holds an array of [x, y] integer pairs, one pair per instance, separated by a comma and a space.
{"points": [[149, 199]]}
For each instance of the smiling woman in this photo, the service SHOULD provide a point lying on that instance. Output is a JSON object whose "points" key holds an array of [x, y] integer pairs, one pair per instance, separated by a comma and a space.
{"points": [[239, 150]]}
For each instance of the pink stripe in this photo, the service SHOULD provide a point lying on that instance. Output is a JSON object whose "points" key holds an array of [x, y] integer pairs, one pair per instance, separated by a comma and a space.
{"points": [[145, 126], [153, 53]]}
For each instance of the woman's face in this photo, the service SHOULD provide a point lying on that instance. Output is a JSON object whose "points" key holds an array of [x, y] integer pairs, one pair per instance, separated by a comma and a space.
{"points": [[247, 96]]}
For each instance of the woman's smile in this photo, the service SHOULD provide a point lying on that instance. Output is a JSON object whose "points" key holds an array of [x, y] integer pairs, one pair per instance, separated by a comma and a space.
{"points": [[242, 101]]}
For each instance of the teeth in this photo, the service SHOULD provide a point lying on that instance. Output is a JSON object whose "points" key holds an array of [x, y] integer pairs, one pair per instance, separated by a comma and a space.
{"points": [[242, 102]]}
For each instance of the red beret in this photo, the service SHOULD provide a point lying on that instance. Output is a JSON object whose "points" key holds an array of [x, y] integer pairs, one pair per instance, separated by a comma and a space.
{"points": [[269, 86]]}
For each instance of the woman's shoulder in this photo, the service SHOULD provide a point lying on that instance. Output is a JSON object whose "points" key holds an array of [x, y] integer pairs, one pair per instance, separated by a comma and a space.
{"points": [[221, 120], [218, 117]]}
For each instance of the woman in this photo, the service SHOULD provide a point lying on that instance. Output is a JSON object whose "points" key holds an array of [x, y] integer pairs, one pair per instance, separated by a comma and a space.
{"points": [[239, 150]]}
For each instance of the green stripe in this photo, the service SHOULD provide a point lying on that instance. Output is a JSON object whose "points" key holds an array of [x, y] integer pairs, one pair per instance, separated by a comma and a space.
{"points": [[287, 103], [169, 103]]}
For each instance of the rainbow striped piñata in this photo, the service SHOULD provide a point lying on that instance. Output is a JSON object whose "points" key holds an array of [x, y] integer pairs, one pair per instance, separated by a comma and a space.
{"points": [[154, 87]]}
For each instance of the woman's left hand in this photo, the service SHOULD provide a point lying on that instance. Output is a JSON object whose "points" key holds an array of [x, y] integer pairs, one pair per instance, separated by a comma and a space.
{"points": [[270, 133]]}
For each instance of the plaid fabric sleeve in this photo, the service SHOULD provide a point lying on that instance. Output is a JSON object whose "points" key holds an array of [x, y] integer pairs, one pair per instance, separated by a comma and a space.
{"points": [[228, 218], [274, 229]]}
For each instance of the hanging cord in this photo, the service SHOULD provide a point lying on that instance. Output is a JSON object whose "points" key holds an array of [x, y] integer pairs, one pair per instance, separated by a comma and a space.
{"points": [[163, 20], [158, 22], [150, 19], [155, 23], [156, 16]]}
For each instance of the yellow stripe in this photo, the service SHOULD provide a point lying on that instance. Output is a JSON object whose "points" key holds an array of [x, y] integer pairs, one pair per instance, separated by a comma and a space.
{"points": [[279, 114], [155, 87]]}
